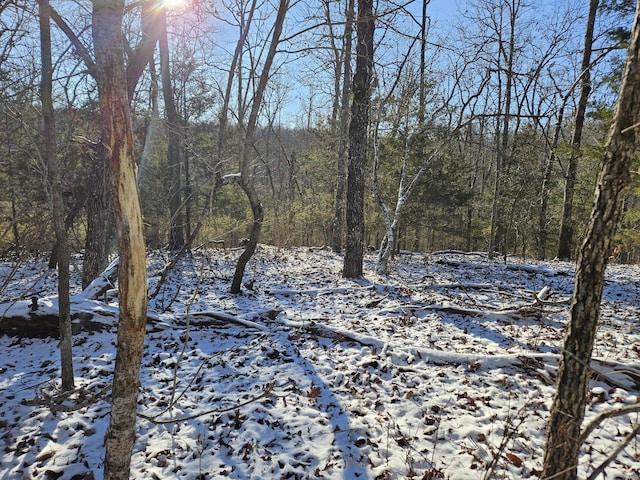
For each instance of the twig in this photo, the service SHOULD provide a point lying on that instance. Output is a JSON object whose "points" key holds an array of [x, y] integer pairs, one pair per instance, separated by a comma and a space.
{"points": [[616, 451], [268, 390], [598, 419], [55, 402]]}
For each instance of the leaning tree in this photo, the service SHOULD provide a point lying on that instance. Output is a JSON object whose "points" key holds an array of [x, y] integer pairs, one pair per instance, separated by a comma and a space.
{"points": [[567, 413]]}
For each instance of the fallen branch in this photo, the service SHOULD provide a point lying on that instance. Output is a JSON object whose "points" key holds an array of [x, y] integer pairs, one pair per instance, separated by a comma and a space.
{"points": [[228, 318], [55, 402], [99, 286], [596, 421], [315, 328]]}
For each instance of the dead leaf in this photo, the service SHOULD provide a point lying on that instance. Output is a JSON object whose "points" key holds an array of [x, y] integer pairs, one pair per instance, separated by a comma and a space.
{"points": [[314, 392], [514, 459]]}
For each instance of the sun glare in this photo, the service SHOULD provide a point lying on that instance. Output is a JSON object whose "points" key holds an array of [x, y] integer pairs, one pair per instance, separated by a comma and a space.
{"points": [[174, 3]]}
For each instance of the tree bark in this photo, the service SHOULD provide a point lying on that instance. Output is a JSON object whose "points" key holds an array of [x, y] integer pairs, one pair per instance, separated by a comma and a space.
{"points": [[567, 413], [100, 228], [56, 201], [341, 167], [174, 125], [132, 282], [237, 54], [358, 129], [565, 242]]}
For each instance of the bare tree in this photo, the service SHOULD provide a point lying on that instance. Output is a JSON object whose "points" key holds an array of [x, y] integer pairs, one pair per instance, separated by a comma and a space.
{"points": [[358, 139], [566, 228], [99, 198], [55, 193], [174, 128], [247, 144], [111, 77], [567, 412], [343, 116]]}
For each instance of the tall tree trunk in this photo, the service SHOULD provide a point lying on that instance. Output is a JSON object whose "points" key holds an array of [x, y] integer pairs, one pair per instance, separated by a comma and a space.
{"points": [[423, 63], [358, 129], [56, 200], [132, 280], [566, 228], [100, 215], [567, 412], [246, 178], [174, 125], [546, 182], [341, 167], [498, 240]]}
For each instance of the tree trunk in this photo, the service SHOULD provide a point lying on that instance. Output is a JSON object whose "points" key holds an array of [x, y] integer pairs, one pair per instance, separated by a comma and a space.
{"points": [[100, 229], [498, 241], [132, 282], [546, 184], [237, 54], [358, 127], [246, 180], [338, 215], [56, 201], [174, 125], [567, 413], [565, 242], [100, 216]]}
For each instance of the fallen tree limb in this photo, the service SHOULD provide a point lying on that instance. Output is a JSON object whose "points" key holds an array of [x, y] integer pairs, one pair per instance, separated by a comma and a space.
{"points": [[55, 402], [596, 421], [195, 319], [99, 286]]}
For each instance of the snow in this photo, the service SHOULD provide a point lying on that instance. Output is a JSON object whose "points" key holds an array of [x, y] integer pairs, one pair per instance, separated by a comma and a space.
{"points": [[444, 368]]}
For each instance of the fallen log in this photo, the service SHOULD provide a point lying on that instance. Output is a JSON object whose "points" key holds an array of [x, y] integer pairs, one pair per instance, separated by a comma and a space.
{"points": [[43, 325]]}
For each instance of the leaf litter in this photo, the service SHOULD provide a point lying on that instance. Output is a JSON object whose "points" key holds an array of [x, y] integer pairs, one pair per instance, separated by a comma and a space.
{"points": [[444, 369]]}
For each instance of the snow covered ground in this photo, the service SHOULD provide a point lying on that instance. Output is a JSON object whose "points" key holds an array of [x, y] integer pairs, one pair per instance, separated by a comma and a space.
{"points": [[443, 369]]}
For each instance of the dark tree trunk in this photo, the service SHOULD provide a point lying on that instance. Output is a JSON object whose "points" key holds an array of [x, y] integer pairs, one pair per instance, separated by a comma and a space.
{"points": [[174, 125], [246, 180], [567, 413], [132, 282], [565, 242], [341, 167], [56, 201], [546, 185], [237, 58], [100, 227], [358, 128], [498, 240]]}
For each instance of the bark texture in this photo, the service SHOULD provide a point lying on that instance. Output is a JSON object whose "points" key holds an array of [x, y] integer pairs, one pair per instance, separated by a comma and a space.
{"points": [[132, 282], [358, 129], [100, 214], [563, 430]]}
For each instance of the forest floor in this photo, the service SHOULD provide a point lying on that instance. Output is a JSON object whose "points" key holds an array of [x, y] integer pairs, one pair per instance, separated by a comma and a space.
{"points": [[443, 369]]}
